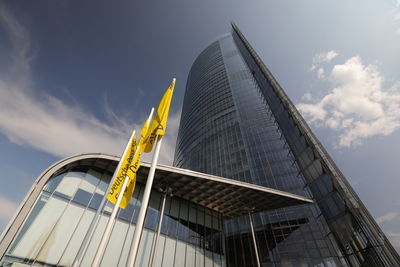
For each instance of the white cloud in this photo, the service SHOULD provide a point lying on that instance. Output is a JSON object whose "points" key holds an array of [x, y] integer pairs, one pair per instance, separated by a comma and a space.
{"points": [[19, 37], [7, 210], [307, 97], [320, 73], [394, 239], [38, 120], [396, 14], [397, 17], [168, 145], [46, 123], [358, 106], [387, 217], [324, 57]]}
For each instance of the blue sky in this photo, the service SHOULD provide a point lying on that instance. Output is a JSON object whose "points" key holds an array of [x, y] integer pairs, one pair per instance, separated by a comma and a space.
{"points": [[77, 76]]}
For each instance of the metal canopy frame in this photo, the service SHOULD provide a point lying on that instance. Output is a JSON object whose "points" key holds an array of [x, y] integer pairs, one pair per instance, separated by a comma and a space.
{"points": [[230, 197]]}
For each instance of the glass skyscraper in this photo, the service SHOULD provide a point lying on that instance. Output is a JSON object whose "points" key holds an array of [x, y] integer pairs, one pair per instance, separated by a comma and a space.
{"points": [[237, 122]]}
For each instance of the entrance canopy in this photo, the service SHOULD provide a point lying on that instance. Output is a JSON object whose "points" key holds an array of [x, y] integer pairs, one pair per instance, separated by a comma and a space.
{"points": [[230, 197]]}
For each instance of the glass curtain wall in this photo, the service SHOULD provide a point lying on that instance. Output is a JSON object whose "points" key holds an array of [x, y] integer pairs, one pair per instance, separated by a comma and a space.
{"points": [[191, 235], [272, 165], [361, 241], [228, 130]]}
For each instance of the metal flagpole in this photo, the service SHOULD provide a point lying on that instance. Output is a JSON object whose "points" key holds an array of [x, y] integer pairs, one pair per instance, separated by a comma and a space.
{"points": [[96, 218], [110, 224], [143, 208], [107, 232], [254, 240], [159, 228]]}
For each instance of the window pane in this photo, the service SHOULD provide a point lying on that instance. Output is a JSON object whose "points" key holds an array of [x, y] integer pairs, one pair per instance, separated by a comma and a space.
{"points": [[41, 228], [70, 183]]}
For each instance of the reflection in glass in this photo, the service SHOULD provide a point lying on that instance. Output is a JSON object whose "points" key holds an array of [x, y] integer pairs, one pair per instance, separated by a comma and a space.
{"points": [[57, 223]]}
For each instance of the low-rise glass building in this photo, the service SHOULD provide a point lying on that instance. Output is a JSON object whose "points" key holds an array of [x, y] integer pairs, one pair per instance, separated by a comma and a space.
{"points": [[57, 212]]}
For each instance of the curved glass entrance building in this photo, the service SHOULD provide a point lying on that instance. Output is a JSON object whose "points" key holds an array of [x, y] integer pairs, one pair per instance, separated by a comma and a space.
{"points": [[54, 219], [237, 122]]}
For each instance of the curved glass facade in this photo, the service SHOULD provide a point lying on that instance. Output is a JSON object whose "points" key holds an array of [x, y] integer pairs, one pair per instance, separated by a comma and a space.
{"points": [[232, 127], [53, 231]]}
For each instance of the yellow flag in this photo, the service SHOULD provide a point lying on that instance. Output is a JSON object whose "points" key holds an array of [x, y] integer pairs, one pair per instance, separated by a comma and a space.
{"points": [[133, 168], [122, 172], [159, 123], [143, 134], [131, 161], [128, 192]]}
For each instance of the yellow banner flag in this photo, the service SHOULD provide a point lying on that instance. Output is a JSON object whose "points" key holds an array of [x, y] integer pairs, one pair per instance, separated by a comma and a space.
{"points": [[159, 123], [131, 161], [122, 172], [143, 134], [128, 192], [133, 168]]}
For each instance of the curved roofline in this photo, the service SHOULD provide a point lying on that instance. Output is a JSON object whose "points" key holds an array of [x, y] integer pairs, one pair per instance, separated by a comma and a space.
{"points": [[25, 206]]}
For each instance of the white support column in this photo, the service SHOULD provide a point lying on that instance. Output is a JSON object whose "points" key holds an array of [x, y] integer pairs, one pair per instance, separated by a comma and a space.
{"points": [[225, 254], [90, 231], [155, 247], [254, 240]]}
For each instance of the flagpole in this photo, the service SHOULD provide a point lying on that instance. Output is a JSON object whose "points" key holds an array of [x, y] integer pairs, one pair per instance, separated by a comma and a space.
{"points": [[96, 218], [143, 208], [110, 224]]}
